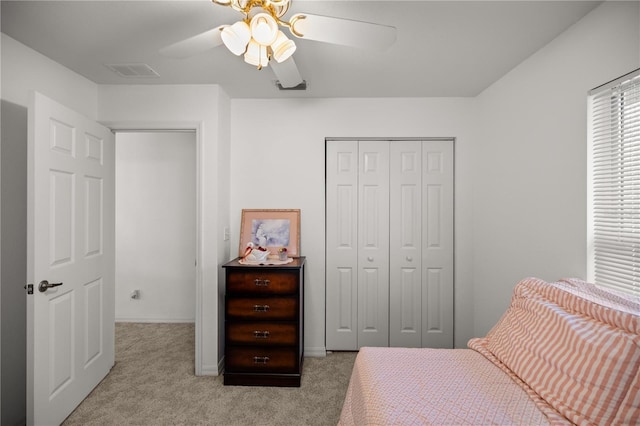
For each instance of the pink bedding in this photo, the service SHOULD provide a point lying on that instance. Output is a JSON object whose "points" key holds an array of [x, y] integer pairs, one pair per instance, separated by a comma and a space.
{"points": [[575, 345], [563, 353], [405, 386]]}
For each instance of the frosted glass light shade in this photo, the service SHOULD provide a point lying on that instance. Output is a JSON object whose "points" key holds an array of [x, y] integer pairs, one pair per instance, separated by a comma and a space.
{"points": [[256, 54], [236, 37], [264, 29], [282, 48]]}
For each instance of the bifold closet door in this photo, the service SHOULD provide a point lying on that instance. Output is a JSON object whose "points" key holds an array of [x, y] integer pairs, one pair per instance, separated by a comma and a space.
{"points": [[421, 244], [373, 243], [357, 244], [405, 240], [389, 244], [342, 245], [437, 243]]}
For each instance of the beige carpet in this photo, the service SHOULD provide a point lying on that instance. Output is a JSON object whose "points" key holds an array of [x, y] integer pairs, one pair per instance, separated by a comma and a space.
{"points": [[153, 383]]}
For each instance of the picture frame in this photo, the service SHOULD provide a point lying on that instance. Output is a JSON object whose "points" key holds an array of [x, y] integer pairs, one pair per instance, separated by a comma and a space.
{"points": [[273, 229]]}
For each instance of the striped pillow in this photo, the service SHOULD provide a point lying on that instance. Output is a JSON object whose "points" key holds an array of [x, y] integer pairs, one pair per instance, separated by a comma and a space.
{"points": [[576, 346]]}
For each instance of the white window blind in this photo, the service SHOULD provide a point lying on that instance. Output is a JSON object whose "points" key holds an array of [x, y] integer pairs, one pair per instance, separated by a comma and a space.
{"points": [[614, 187]]}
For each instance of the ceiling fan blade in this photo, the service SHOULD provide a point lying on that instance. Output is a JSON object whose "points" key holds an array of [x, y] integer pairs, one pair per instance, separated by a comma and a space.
{"points": [[194, 45], [346, 32], [286, 72]]}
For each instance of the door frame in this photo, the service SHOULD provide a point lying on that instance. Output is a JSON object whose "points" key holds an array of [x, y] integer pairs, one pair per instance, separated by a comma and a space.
{"points": [[197, 127]]}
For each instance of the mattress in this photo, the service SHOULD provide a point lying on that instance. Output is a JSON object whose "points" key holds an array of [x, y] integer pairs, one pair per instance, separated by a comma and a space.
{"points": [[408, 386]]}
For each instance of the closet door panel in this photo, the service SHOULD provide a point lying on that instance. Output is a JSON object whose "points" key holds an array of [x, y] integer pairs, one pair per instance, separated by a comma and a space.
{"points": [[437, 244], [373, 244], [405, 229], [341, 245]]}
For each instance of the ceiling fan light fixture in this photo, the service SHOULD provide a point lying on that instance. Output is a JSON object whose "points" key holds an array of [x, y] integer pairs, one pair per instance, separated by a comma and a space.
{"points": [[256, 54], [278, 2], [264, 29], [236, 37], [283, 47]]}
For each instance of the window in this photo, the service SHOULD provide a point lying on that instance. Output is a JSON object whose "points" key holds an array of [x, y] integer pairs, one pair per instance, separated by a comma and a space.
{"points": [[614, 184]]}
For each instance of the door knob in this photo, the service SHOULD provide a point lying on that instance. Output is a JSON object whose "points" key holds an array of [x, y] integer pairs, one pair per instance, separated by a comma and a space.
{"points": [[44, 285], [370, 259], [409, 258]]}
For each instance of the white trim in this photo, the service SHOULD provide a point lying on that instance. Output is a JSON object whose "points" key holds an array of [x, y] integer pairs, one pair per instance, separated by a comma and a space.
{"points": [[156, 320], [196, 126], [315, 352], [590, 232], [613, 83], [211, 370]]}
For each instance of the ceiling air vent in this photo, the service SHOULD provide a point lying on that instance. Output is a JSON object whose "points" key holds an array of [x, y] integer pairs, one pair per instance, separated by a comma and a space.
{"points": [[301, 86], [133, 70]]}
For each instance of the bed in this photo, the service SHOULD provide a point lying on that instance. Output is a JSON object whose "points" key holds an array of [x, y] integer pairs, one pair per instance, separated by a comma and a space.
{"points": [[566, 352]]}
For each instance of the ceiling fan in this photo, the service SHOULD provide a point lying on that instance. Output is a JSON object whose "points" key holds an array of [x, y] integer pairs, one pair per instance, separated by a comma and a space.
{"points": [[259, 38]]}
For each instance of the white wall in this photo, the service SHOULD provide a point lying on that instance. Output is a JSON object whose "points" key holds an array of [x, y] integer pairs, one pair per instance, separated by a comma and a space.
{"points": [[156, 226], [224, 195], [200, 107], [24, 69], [274, 167], [530, 165]]}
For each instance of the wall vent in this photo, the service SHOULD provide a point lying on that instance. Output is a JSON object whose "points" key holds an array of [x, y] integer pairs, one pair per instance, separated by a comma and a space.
{"points": [[133, 70]]}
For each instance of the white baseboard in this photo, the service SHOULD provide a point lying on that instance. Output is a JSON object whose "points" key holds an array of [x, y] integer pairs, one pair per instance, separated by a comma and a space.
{"points": [[211, 370], [157, 320], [315, 352]]}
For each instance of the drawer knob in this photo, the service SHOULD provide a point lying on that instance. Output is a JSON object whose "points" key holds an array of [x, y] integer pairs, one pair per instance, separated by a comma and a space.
{"points": [[260, 282], [261, 334], [261, 308], [260, 359]]}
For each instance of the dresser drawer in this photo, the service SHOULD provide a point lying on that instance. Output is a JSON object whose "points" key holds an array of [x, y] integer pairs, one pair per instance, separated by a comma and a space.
{"points": [[261, 333], [261, 359], [268, 308], [262, 282]]}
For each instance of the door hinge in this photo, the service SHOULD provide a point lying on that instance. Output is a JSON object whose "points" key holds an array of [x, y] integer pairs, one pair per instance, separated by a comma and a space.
{"points": [[29, 288]]}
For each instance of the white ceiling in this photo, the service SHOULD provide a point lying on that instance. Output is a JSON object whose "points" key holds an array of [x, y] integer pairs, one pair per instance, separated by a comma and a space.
{"points": [[443, 48]]}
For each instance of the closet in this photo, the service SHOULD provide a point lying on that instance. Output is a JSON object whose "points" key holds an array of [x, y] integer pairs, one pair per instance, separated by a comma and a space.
{"points": [[389, 243]]}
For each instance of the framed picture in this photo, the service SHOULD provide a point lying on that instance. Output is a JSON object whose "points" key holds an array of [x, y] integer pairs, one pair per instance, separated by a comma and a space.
{"points": [[271, 229]]}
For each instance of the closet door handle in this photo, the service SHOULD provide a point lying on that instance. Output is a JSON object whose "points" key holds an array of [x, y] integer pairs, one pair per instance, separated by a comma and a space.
{"points": [[409, 258], [370, 259]]}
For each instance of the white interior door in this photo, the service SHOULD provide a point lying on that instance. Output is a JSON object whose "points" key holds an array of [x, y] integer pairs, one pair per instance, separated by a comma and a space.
{"points": [[342, 245], [373, 244], [405, 242], [70, 327], [437, 243]]}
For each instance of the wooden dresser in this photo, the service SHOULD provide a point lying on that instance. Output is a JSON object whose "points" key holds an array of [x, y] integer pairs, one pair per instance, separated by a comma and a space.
{"points": [[264, 327]]}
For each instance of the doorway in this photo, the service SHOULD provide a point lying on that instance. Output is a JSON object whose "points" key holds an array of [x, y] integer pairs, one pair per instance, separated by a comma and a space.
{"points": [[155, 226]]}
